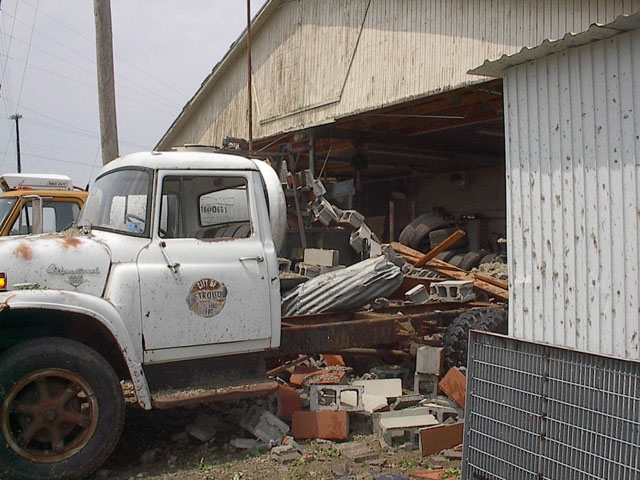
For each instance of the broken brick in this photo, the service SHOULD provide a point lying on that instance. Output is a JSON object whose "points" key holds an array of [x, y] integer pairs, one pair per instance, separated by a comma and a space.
{"points": [[324, 424], [454, 385], [289, 401], [333, 360], [305, 376], [440, 437]]}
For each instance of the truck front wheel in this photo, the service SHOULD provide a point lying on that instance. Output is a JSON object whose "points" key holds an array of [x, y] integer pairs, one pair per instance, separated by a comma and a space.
{"points": [[61, 410]]}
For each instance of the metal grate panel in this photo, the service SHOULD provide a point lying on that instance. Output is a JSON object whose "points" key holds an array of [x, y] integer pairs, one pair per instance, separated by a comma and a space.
{"points": [[536, 411]]}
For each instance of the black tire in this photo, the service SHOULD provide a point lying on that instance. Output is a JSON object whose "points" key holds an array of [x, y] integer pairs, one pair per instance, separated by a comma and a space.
{"points": [[471, 260], [436, 237], [448, 254], [489, 258], [457, 259], [416, 234], [78, 384], [457, 336]]}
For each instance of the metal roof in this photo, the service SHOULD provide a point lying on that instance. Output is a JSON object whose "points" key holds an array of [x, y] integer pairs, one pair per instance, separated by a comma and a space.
{"points": [[496, 68]]}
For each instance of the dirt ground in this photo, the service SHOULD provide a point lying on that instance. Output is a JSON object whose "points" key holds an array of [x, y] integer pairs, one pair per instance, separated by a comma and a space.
{"points": [[190, 459]]}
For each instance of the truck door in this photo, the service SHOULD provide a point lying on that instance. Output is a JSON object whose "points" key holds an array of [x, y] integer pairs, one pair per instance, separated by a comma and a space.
{"points": [[206, 279]]}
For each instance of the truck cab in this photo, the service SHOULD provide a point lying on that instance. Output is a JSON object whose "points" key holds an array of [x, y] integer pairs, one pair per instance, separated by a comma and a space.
{"points": [[170, 281], [38, 203]]}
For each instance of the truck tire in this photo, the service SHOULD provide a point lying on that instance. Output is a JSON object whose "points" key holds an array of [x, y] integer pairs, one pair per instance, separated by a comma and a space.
{"points": [[436, 237], [457, 336], [416, 234], [457, 259], [489, 258], [471, 260], [62, 410]]}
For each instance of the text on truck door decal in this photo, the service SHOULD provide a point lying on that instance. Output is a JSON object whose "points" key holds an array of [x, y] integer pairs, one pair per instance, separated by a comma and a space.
{"points": [[207, 297]]}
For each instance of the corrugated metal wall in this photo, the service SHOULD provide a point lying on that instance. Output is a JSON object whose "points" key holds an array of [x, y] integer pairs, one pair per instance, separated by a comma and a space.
{"points": [[316, 60], [573, 130]]}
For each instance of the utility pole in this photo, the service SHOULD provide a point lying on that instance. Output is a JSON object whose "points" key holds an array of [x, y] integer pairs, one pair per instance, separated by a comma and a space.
{"points": [[106, 84], [249, 75], [17, 118]]}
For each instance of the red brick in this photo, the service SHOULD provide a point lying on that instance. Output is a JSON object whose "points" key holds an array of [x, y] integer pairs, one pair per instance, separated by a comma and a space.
{"points": [[454, 385], [289, 401], [431, 475], [301, 374], [333, 360], [440, 437], [323, 424]]}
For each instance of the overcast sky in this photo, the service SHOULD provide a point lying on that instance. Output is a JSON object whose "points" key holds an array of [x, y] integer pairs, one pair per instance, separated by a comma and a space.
{"points": [[163, 51]]}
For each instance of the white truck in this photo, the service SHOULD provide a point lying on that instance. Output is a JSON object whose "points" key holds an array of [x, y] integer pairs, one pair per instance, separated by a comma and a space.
{"points": [[171, 273]]}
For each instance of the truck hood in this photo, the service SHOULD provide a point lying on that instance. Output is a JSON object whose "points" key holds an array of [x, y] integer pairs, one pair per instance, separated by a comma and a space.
{"points": [[65, 261]]}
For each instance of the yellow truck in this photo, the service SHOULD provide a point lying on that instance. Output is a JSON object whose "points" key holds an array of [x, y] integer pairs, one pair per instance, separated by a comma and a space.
{"points": [[38, 203]]}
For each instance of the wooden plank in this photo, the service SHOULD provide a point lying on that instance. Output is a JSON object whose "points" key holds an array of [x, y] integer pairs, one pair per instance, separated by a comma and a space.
{"points": [[492, 280], [441, 247], [451, 271]]}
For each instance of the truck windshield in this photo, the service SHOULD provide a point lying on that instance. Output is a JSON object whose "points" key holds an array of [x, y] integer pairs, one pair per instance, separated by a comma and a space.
{"points": [[119, 201], [6, 204]]}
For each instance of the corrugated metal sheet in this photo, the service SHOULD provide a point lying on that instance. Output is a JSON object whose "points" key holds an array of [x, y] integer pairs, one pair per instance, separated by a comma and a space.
{"points": [[573, 144], [539, 412], [315, 61]]}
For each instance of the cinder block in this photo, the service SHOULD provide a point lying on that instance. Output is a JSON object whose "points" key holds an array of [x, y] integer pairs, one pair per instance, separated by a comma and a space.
{"points": [[440, 437], [329, 397], [289, 401], [453, 291], [264, 425], [352, 219], [402, 423], [326, 425], [429, 360], [443, 413], [417, 295], [454, 385], [322, 257]]}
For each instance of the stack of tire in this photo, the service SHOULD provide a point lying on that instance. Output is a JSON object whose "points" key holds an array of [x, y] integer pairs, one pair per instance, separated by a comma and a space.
{"points": [[430, 229]]}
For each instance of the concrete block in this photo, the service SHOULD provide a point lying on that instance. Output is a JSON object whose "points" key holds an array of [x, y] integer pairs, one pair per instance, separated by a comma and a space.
{"points": [[351, 219], [425, 384], [370, 403], [454, 385], [443, 413], [324, 212], [357, 453], [453, 291], [322, 257], [311, 271], [247, 444], [326, 424], [440, 437], [387, 388], [330, 397], [417, 295], [264, 425], [289, 401], [429, 360], [284, 453], [406, 401], [403, 424]]}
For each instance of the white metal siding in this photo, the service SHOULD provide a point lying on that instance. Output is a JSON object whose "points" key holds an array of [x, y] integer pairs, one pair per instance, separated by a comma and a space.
{"points": [[573, 129], [317, 60]]}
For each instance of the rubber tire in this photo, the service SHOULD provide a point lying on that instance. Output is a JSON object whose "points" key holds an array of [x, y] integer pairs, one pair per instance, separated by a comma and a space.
{"points": [[471, 260], [53, 352], [457, 259], [457, 336], [416, 234], [436, 237], [448, 254], [489, 258]]}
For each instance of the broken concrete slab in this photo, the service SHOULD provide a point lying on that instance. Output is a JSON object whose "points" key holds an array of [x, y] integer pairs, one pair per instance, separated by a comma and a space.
{"points": [[247, 444], [440, 437], [387, 388], [284, 453], [264, 425], [454, 385], [444, 413], [357, 453], [370, 403], [406, 401], [203, 428], [429, 360], [326, 424], [417, 295], [330, 397]]}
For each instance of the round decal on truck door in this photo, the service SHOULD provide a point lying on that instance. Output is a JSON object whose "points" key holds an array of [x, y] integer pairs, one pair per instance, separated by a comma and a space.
{"points": [[207, 297]]}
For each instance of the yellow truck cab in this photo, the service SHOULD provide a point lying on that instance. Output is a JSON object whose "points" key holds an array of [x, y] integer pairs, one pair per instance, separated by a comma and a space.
{"points": [[38, 203]]}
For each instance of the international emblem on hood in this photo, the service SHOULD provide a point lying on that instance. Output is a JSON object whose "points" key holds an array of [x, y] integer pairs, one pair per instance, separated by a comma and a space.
{"points": [[207, 297]]}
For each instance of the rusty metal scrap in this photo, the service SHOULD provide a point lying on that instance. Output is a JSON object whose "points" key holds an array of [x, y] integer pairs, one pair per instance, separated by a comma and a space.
{"points": [[350, 288]]}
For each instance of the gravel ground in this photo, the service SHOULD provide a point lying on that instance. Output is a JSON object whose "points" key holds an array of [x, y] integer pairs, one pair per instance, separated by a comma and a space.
{"points": [[190, 459]]}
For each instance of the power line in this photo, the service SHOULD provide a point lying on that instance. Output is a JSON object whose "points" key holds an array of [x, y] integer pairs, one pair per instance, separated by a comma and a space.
{"points": [[26, 62], [58, 160]]}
